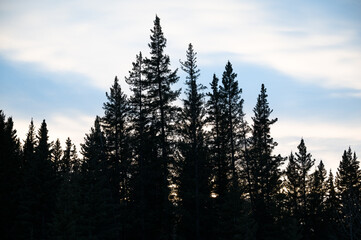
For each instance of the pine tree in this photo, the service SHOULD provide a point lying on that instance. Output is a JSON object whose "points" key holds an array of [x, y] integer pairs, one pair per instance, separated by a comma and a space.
{"points": [[193, 181], [348, 180], [56, 154], [38, 197], [264, 168], [233, 125], [10, 173], [217, 140], [292, 185], [316, 206], [141, 149], [159, 78], [97, 205], [116, 115], [332, 209], [67, 214], [304, 162], [232, 109]]}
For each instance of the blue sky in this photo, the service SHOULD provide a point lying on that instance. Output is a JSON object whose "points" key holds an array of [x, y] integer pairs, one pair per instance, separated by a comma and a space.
{"points": [[58, 58]]}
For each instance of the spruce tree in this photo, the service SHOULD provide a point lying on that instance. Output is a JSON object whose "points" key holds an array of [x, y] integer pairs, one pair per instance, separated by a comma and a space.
{"points": [[97, 205], [316, 206], [56, 154], [217, 140], [114, 122], [292, 184], [304, 162], [264, 168], [332, 209], [233, 125], [348, 180], [10, 173], [193, 180], [232, 109], [38, 197], [159, 78], [140, 147]]}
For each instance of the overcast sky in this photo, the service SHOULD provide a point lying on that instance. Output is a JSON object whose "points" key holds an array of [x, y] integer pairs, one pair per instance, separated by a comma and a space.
{"points": [[58, 58]]}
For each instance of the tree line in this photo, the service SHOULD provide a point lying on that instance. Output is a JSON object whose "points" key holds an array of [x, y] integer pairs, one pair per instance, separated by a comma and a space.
{"points": [[151, 169]]}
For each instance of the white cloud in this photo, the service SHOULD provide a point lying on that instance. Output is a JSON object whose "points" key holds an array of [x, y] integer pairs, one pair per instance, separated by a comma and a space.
{"points": [[101, 40], [324, 140]]}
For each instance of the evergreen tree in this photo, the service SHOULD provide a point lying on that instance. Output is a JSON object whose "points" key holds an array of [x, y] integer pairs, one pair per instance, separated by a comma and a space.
{"points": [[38, 195], [29, 145], [97, 205], [159, 78], [292, 185], [193, 181], [348, 179], [233, 125], [56, 155], [217, 140], [116, 115], [316, 206], [10, 167], [232, 109], [141, 149], [67, 214], [304, 162], [264, 169], [332, 209]]}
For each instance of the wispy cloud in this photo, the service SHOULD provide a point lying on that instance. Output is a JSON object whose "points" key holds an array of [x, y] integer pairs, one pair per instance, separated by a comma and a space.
{"points": [[100, 40]]}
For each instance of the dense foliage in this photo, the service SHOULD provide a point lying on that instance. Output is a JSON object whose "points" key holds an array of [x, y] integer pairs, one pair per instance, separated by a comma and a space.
{"points": [[151, 168]]}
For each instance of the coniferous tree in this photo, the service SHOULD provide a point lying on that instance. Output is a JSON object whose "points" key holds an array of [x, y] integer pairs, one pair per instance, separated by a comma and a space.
{"points": [[141, 150], [217, 140], [159, 78], [316, 206], [38, 197], [232, 109], [292, 184], [332, 209], [193, 180], [10, 167], [116, 111], [264, 169], [348, 180], [233, 124], [56, 155], [97, 205], [304, 162]]}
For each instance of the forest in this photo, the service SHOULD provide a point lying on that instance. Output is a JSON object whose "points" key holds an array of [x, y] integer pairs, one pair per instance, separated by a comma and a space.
{"points": [[150, 168]]}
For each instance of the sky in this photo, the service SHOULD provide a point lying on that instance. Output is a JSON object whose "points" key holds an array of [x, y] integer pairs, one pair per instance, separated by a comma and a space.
{"points": [[58, 58]]}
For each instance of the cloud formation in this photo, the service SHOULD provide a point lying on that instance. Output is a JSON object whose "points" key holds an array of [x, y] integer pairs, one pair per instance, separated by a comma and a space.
{"points": [[100, 40]]}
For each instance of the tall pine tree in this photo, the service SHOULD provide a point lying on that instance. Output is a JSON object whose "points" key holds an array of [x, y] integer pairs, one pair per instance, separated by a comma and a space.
{"points": [[264, 169], [193, 182], [10, 173], [159, 78]]}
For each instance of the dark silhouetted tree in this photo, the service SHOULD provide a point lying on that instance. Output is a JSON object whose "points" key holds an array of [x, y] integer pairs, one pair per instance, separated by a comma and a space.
{"points": [[116, 114], [348, 179], [193, 180], [10, 173], [38, 194], [159, 78], [264, 169], [316, 206]]}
